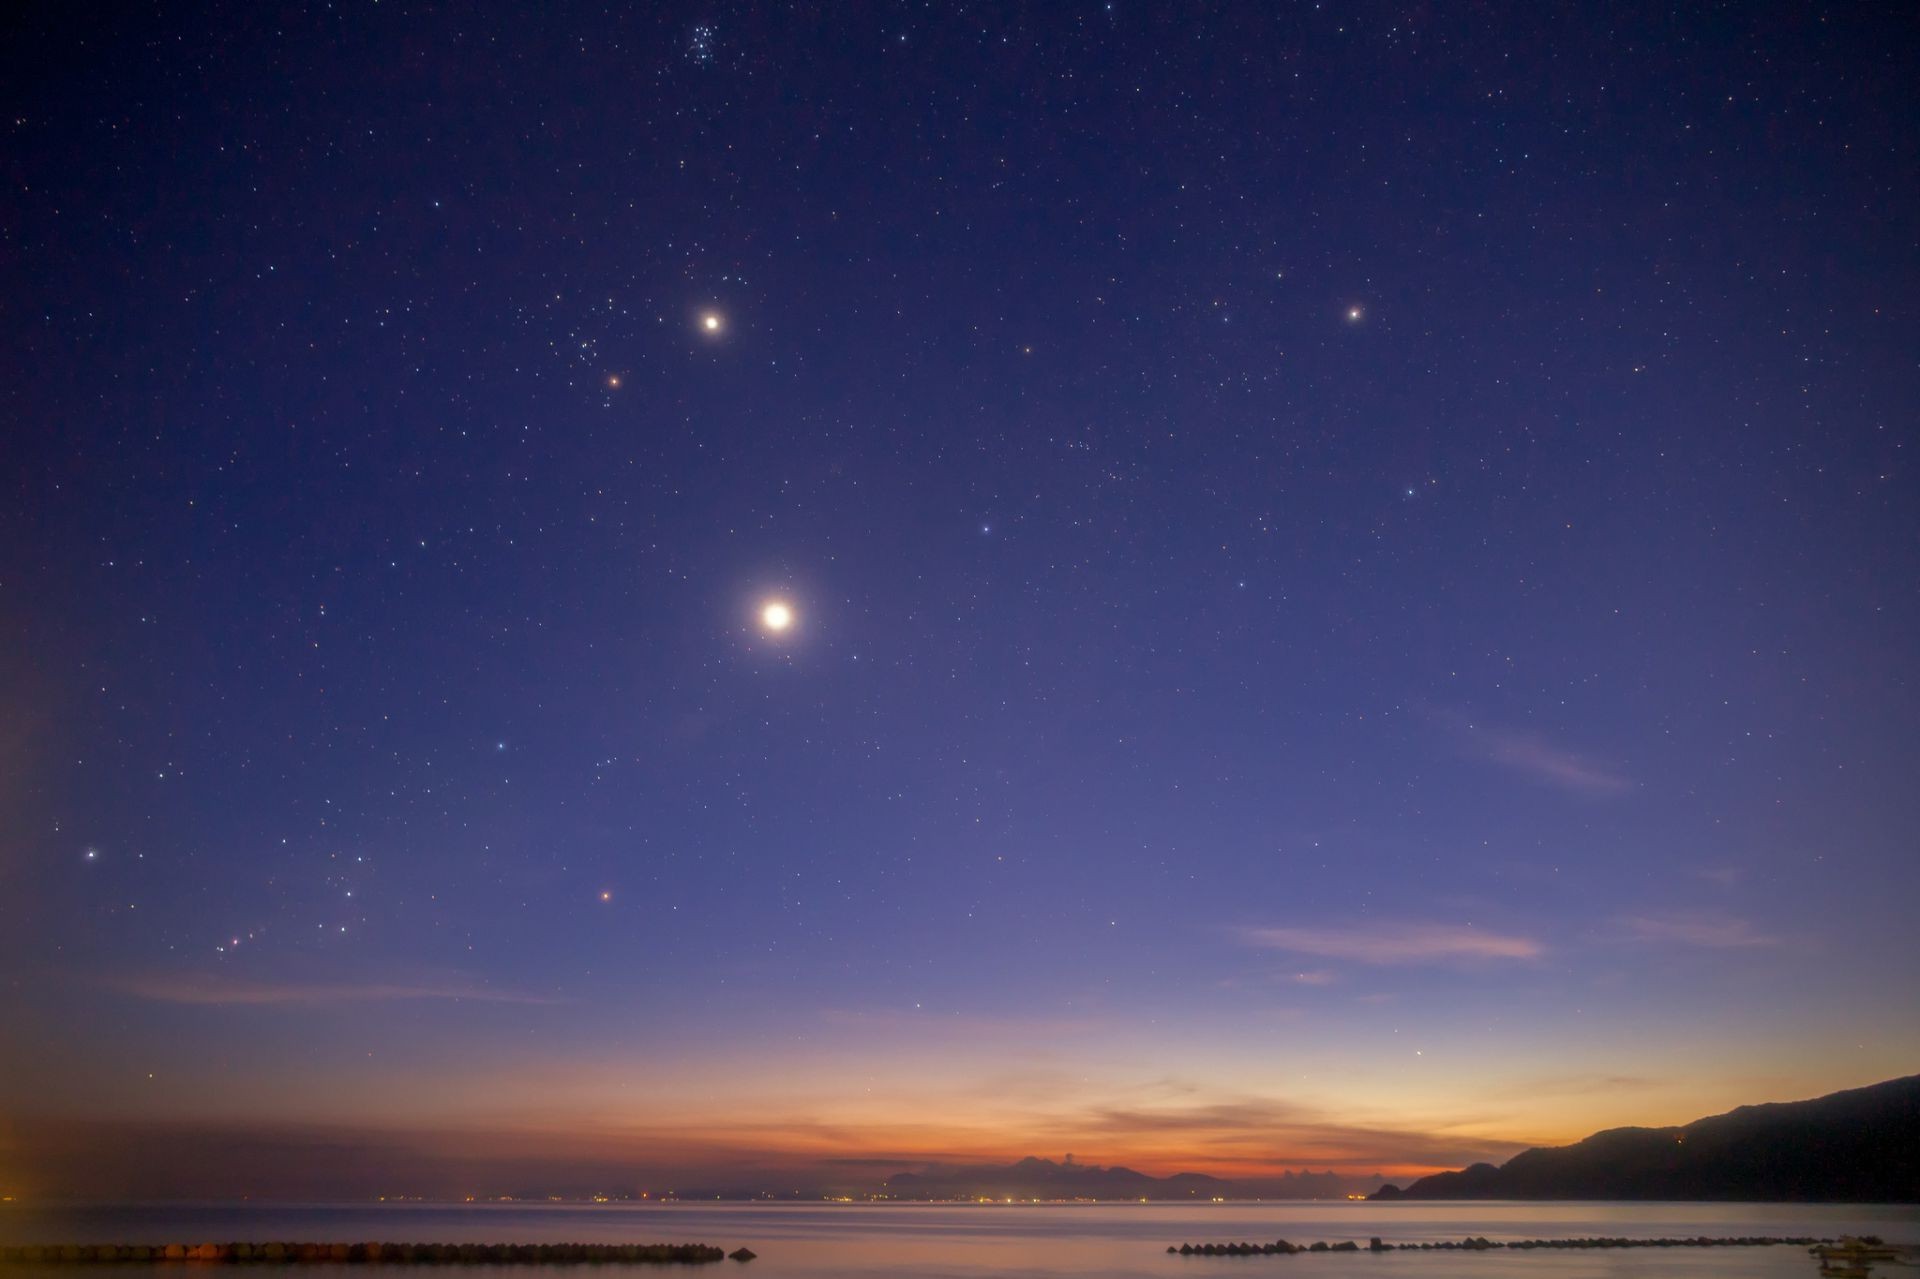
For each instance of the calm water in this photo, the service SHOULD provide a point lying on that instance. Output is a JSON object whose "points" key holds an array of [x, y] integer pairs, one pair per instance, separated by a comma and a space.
{"points": [[820, 1241]]}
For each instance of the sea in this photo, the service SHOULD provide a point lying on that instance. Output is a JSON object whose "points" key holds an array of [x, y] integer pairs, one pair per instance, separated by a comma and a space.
{"points": [[1023, 1241]]}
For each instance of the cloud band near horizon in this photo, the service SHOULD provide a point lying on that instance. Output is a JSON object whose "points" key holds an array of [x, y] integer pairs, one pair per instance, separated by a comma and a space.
{"points": [[1395, 942]]}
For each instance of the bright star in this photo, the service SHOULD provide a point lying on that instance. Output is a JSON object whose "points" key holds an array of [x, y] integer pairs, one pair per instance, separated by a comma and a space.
{"points": [[711, 322], [1354, 314], [776, 616]]}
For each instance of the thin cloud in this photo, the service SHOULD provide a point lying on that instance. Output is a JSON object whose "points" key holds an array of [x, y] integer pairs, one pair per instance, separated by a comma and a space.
{"points": [[217, 991], [1535, 757], [1542, 760], [1726, 876], [1231, 1116], [932, 1023], [1280, 1133], [1396, 942], [1586, 1085], [1709, 930]]}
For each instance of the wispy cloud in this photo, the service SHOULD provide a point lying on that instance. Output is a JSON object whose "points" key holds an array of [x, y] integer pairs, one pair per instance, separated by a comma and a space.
{"points": [[1534, 756], [187, 988], [1586, 1085], [1284, 1132], [1726, 876], [1396, 942], [955, 1023], [1711, 930], [1555, 765]]}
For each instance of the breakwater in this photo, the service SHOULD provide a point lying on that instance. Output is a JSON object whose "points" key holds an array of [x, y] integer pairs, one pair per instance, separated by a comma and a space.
{"points": [[402, 1254], [1479, 1243]]}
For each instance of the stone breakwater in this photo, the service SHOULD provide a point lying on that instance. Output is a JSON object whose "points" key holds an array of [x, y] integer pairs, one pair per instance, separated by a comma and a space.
{"points": [[1479, 1243], [403, 1254]]}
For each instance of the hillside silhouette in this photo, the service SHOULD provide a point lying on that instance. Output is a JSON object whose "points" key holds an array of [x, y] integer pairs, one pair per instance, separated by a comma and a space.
{"points": [[1857, 1146]]}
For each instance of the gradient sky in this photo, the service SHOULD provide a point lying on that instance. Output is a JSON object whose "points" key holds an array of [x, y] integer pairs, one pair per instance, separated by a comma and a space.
{"points": [[1354, 572]]}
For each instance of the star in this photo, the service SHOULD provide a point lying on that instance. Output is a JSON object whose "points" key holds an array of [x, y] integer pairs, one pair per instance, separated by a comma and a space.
{"points": [[1355, 315], [613, 381], [711, 322], [777, 616]]}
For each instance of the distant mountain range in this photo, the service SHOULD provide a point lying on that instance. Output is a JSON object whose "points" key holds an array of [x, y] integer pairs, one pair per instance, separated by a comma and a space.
{"points": [[1858, 1146], [1044, 1179]]}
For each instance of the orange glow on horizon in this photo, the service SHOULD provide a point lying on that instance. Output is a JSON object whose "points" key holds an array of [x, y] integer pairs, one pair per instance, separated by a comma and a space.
{"points": [[907, 1090]]}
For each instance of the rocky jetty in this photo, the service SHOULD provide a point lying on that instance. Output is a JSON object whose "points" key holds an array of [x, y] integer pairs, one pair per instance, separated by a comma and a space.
{"points": [[1480, 1243]]}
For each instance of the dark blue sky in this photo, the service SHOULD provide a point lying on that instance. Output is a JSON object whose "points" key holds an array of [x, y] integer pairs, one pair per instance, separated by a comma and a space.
{"points": [[1354, 571]]}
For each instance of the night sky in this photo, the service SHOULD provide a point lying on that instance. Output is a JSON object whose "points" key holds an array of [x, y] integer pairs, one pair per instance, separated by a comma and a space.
{"points": [[1352, 581]]}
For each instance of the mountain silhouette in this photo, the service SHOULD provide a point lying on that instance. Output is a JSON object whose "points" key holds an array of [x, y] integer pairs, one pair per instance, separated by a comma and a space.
{"points": [[1858, 1146]]}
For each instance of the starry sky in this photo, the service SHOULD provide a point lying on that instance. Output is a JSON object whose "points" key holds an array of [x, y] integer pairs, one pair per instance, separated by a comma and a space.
{"points": [[1351, 576]]}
